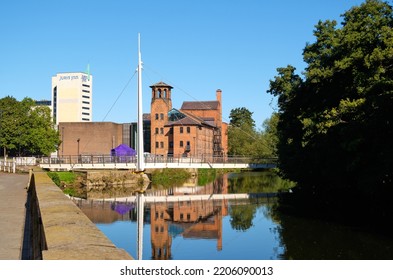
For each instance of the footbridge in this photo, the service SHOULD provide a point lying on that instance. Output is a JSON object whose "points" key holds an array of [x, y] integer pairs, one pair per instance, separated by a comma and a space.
{"points": [[84, 162]]}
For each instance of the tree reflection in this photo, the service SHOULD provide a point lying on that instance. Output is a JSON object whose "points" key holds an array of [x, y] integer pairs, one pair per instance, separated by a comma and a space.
{"points": [[242, 216]]}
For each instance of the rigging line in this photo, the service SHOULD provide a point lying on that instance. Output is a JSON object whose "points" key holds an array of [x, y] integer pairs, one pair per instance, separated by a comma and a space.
{"points": [[124, 88], [176, 86], [114, 103]]}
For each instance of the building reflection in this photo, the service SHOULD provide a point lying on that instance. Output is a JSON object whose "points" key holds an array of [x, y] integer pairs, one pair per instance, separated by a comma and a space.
{"points": [[189, 219], [201, 219]]}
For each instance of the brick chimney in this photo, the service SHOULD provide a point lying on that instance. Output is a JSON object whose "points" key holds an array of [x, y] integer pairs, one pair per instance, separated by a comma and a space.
{"points": [[218, 97]]}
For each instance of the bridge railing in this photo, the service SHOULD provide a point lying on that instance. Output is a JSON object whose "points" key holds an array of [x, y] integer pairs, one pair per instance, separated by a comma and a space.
{"points": [[149, 158]]}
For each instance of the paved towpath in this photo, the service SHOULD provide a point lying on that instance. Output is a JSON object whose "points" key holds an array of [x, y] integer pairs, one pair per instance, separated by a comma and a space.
{"points": [[13, 195]]}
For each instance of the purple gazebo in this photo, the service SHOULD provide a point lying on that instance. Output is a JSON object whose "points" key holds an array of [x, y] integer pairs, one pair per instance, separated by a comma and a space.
{"points": [[123, 151]]}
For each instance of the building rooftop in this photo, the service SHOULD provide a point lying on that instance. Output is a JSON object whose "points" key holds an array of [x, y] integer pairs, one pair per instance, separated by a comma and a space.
{"points": [[200, 105], [161, 84]]}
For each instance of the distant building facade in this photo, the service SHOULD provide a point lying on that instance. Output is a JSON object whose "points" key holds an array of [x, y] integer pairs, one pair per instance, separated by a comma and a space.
{"points": [[195, 130], [72, 97]]}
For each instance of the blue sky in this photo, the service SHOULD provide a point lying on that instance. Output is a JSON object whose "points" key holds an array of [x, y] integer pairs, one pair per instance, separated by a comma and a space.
{"points": [[195, 46]]}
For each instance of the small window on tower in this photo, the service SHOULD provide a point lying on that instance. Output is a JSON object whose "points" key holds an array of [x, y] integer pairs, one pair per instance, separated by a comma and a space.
{"points": [[188, 129], [161, 116], [181, 129], [156, 116]]}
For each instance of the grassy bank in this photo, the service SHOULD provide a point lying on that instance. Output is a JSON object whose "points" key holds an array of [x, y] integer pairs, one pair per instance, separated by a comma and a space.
{"points": [[68, 181]]}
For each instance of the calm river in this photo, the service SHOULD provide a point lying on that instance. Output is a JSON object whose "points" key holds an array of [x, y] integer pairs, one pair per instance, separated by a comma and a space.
{"points": [[232, 227]]}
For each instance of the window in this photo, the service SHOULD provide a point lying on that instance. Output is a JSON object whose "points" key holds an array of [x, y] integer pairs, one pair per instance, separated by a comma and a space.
{"points": [[156, 144], [161, 116], [181, 129], [83, 90], [171, 144], [181, 216], [162, 130], [156, 116], [162, 145], [181, 144], [86, 114], [85, 85], [188, 129], [85, 96], [188, 217], [85, 108], [171, 130], [156, 130], [85, 102]]}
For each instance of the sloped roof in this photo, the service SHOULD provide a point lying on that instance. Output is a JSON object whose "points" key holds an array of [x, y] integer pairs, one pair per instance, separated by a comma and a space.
{"points": [[200, 105], [190, 119], [161, 84]]}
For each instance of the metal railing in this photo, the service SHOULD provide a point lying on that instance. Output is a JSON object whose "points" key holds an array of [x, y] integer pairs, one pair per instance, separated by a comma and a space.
{"points": [[108, 159]]}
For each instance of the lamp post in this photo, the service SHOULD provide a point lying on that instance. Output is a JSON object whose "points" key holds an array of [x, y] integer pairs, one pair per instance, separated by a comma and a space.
{"points": [[62, 141], [78, 147]]}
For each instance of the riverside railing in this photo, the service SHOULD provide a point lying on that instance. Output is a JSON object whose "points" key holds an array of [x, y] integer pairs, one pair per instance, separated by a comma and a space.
{"points": [[108, 159]]}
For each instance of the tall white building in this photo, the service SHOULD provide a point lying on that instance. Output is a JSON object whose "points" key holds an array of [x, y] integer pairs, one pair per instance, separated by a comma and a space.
{"points": [[72, 97]]}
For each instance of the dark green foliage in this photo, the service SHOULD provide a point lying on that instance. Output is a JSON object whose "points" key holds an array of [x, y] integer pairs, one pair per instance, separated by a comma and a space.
{"points": [[26, 129], [245, 140], [335, 124]]}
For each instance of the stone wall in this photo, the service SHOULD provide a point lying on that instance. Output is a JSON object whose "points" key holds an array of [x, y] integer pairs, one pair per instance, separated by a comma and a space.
{"points": [[114, 183], [59, 230]]}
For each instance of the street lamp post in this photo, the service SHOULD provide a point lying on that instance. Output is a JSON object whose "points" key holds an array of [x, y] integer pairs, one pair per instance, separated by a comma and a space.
{"points": [[62, 141], [78, 147]]}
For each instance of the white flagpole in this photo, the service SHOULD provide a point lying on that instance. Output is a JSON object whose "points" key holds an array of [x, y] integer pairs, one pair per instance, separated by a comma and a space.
{"points": [[140, 155]]}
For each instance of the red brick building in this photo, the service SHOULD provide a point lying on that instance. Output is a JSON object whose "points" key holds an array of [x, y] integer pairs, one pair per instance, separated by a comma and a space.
{"points": [[195, 130]]}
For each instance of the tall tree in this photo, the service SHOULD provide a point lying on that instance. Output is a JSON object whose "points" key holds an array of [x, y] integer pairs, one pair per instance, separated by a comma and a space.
{"points": [[26, 129], [241, 132], [335, 124]]}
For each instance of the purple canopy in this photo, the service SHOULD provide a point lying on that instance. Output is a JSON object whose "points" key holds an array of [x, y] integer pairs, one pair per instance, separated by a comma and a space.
{"points": [[123, 150], [122, 208]]}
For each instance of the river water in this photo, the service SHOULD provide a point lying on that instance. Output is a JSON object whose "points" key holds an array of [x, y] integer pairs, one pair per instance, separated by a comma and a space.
{"points": [[230, 227]]}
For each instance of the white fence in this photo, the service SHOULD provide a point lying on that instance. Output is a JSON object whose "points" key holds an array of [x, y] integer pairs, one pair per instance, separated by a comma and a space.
{"points": [[11, 165]]}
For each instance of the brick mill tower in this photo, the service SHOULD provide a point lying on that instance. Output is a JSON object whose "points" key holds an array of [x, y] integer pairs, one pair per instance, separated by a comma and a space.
{"points": [[161, 103]]}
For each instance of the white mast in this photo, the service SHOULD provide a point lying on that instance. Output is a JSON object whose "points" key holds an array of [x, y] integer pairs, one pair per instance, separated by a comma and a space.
{"points": [[140, 156]]}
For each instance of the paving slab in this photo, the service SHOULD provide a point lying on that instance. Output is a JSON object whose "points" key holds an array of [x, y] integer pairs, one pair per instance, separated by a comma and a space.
{"points": [[13, 196]]}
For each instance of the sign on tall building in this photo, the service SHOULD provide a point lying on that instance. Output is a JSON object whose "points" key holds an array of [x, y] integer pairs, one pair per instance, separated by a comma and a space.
{"points": [[72, 97]]}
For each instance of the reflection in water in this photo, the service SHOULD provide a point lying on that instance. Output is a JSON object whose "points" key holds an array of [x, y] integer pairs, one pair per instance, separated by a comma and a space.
{"points": [[229, 229], [140, 211]]}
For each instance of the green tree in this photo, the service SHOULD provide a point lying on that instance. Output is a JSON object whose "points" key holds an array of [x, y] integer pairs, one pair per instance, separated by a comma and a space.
{"points": [[244, 139], [241, 132], [241, 117], [270, 135], [26, 129], [335, 123]]}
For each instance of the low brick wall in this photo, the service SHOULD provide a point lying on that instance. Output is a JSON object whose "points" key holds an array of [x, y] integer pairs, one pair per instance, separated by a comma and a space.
{"points": [[60, 230]]}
